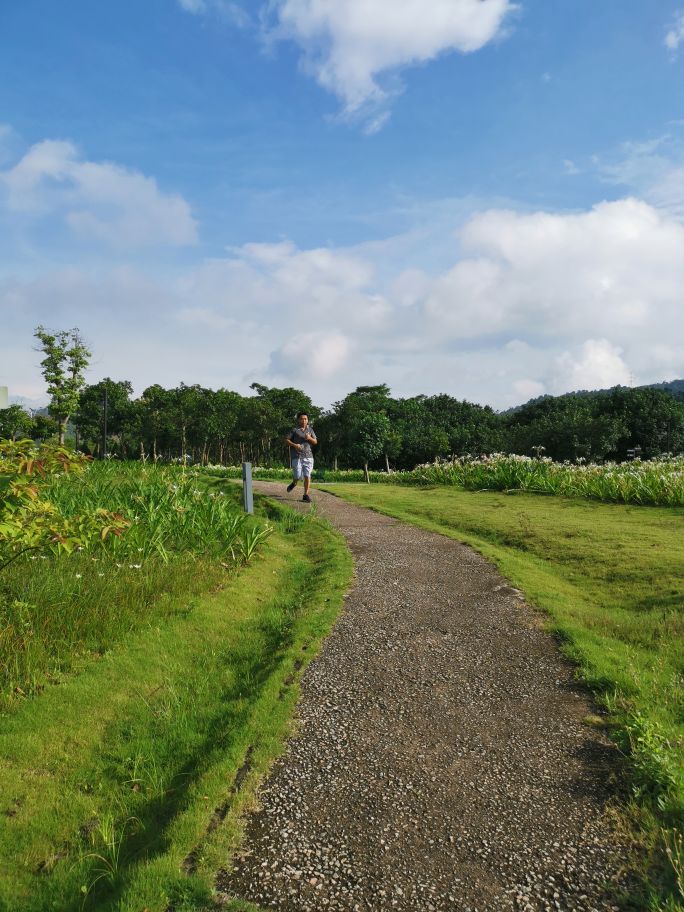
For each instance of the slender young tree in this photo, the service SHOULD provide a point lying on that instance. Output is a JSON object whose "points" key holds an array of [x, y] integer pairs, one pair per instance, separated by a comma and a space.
{"points": [[64, 366]]}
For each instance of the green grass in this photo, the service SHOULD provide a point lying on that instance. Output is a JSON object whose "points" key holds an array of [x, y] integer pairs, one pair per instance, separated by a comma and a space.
{"points": [[111, 780], [611, 578], [59, 613]]}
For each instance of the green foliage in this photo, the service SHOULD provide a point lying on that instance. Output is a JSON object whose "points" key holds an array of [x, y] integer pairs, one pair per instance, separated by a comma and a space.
{"points": [[15, 422], [31, 522], [603, 425], [87, 586], [64, 365], [371, 428], [123, 425], [651, 754], [45, 429], [369, 434]]}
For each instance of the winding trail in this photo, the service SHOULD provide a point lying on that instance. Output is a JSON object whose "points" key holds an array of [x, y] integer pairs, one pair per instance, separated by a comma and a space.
{"points": [[441, 760]]}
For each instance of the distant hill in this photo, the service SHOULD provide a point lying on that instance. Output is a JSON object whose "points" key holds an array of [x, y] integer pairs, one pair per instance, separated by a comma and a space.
{"points": [[37, 406], [674, 387]]}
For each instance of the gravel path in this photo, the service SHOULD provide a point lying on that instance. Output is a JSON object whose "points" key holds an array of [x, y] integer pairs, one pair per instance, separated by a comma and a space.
{"points": [[441, 761]]}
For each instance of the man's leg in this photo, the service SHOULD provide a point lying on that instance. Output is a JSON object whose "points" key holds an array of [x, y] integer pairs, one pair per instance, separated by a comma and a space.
{"points": [[296, 474], [307, 468]]}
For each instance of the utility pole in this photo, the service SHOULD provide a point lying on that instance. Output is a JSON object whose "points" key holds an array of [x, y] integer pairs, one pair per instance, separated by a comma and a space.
{"points": [[105, 405]]}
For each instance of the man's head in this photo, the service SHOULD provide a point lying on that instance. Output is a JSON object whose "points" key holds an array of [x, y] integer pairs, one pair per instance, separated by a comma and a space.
{"points": [[302, 419]]}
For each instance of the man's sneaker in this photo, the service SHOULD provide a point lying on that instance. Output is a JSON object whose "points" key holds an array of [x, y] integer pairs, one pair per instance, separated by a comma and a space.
{"points": [[291, 486], [306, 498]]}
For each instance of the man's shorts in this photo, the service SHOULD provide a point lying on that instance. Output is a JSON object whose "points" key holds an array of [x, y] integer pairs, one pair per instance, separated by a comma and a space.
{"points": [[302, 467]]}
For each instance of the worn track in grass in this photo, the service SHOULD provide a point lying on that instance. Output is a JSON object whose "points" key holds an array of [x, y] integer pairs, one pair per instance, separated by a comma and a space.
{"points": [[442, 761]]}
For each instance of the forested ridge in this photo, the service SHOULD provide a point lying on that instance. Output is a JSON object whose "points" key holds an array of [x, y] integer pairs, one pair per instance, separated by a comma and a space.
{"points": [[368, 426]]}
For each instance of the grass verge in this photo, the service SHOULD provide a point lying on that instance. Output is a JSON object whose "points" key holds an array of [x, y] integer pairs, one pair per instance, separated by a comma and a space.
{"points": [[59, 612], [611, 578], [123, 788]]}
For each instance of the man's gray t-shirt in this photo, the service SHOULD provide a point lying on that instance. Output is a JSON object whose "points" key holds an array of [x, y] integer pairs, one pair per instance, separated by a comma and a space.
{"points": [[299, 435]]}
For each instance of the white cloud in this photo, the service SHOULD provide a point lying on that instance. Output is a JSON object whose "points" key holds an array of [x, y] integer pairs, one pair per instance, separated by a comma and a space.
{"points": [[564, 274], [654, 170], [675, 35], [530, 303], [597, 365], [349, 44], [592, 294], [311, 356], [101, 200], [277, 282]]}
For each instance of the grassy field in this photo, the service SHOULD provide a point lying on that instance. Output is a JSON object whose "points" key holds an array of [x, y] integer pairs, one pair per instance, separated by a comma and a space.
{"points": [[611, 578], [115, 778]]}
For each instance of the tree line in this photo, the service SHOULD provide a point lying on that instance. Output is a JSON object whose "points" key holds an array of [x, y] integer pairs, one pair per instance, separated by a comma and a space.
{"points": [[369, 427]]}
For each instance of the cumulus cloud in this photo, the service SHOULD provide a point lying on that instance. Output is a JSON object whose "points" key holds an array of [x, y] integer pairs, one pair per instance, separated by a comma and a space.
{"points": [[531, 303], [588, 297], [349, 45], [604, 271], [101, 200], [311, 356], [279, 282], [597, 365], [675, 34]]}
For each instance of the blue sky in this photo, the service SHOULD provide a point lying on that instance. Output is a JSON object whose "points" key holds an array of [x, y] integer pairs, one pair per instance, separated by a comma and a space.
{"points": [[465, 196]]}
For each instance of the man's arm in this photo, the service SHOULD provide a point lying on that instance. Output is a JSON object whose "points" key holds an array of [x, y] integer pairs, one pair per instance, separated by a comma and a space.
{"points": [[290, 442]]}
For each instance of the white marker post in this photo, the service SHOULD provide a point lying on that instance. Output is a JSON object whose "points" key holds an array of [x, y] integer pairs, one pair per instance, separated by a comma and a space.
{"points": [[247, 494]]}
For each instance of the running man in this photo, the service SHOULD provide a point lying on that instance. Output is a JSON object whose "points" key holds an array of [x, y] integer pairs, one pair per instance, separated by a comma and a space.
{"points": [[300, 441]]}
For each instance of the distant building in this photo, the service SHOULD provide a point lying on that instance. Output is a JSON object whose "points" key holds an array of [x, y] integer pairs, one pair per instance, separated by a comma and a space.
{"points": [[4, 397]]}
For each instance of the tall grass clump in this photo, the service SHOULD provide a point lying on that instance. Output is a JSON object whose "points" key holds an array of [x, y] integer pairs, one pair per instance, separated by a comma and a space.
{"points": [[59, 612], [657, 482]]}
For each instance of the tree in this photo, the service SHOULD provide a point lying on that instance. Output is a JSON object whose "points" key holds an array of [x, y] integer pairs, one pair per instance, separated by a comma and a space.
{"points": [[154, 408], [15, 422], [64, 365], [88, 418], [187, 408], [370, 432], [227, 409], [45, 428]]}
